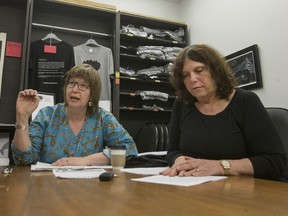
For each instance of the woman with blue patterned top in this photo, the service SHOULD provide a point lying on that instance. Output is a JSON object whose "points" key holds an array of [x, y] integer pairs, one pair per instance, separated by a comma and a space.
{"points": [[76, 132]]}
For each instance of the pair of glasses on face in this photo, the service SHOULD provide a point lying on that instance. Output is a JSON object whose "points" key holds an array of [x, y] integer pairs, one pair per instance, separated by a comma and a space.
{"points": [[81, 86]]}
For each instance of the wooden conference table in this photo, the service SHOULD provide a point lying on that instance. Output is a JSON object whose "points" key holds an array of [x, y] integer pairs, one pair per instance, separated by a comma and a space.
{"points": [[40, 193]]}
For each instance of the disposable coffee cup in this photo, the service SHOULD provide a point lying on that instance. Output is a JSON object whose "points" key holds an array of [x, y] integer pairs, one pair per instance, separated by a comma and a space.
{"points": [[118, 157]]}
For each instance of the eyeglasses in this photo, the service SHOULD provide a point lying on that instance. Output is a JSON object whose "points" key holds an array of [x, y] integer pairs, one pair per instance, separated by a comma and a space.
{"points": [[81, 86]]}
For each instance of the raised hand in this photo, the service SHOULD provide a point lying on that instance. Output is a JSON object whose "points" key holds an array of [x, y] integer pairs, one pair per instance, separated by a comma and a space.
{"points": [[26, 103]]}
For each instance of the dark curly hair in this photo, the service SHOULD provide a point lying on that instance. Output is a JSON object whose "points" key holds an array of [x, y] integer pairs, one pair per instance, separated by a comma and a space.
{"points": [[216, 64], [92, 77]]}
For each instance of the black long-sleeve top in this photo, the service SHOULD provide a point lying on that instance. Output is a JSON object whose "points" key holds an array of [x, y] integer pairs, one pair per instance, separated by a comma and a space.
{"points": [[242, 130]]}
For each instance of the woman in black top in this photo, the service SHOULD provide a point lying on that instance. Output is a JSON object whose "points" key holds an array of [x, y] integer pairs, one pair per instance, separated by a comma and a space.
{"points": [[216, 128]]}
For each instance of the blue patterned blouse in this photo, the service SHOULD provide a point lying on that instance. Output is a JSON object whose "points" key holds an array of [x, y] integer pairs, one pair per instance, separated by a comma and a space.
{"points": [[52, 138]]}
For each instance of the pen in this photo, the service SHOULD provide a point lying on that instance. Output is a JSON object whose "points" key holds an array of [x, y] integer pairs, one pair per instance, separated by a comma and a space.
{"points": [[7, 170]]}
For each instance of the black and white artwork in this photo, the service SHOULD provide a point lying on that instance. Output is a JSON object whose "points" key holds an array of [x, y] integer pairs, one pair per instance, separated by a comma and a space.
{"points": [[246, 67]]}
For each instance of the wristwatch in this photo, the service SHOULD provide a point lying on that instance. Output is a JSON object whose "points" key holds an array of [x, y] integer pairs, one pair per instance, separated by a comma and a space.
{"points": [[226, 166]]}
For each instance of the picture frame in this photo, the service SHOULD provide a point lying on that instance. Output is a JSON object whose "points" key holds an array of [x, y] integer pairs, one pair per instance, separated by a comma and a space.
{"points": [[245, 65], [4, 149], [3, 36]]}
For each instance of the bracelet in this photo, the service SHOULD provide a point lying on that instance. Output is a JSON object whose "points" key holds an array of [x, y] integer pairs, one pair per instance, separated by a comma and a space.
{"points": [[21, 127]]}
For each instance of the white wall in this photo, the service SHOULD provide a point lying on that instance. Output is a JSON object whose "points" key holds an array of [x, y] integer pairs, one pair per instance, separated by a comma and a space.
{"points": [[231, 25], [168, 9]]}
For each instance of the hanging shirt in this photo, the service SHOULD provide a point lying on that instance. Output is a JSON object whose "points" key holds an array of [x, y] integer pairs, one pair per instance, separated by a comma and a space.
{"points": [[48, 65], [102, 60]]}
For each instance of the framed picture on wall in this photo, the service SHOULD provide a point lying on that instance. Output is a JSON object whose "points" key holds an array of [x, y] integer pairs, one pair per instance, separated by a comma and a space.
{"points": [[2, 55], [4, 149], [245, 66]]}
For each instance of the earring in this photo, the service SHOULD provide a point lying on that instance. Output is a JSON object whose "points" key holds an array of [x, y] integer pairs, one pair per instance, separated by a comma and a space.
{"points": [[90, 103]]}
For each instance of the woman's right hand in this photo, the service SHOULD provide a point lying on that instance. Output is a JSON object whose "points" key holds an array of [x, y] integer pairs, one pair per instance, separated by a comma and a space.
{"points": [[27, 102], [172, 171]]}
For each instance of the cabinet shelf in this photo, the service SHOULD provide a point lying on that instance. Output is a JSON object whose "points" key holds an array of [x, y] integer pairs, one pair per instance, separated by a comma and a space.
{"points": [[135, 79], [127, 38], [136, 58], [137, 94]]}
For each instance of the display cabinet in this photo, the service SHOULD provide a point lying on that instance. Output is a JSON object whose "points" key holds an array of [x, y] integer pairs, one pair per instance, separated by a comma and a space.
{"points": [[145, 92], [14, 16]]}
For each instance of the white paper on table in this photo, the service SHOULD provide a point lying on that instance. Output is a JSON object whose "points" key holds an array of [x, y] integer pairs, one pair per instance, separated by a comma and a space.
{"points": [[40, 166], [160, 153], [178, 181], [78, 174], [145, 171]]}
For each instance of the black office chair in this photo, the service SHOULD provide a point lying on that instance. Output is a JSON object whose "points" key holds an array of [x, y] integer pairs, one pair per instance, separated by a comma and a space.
{"points": [[280, 118]]}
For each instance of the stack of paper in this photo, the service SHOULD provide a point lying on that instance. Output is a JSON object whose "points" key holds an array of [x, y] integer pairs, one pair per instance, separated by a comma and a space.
{"points": [[39, 166], [78, 172], [175, 180], [178, 181], [145, 171]]}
